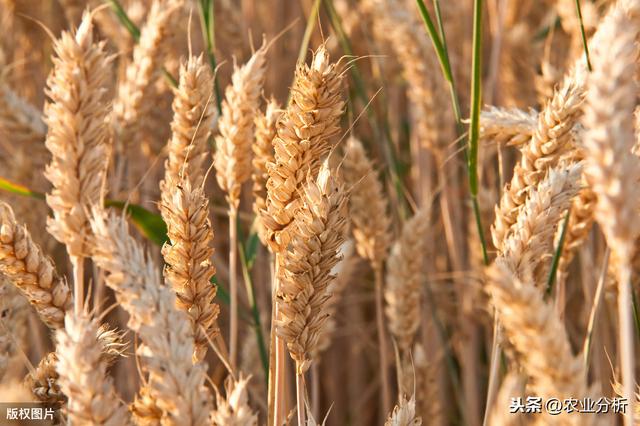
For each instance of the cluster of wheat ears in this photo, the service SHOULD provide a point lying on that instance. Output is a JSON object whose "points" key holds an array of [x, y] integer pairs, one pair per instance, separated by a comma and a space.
{"points": [[419, 211]]}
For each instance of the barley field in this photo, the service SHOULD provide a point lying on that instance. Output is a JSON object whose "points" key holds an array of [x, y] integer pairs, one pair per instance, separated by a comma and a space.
{"points": [[319, 212]]}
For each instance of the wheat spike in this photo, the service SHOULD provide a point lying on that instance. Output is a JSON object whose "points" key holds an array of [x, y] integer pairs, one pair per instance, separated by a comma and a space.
{"points": [[404, 414], [19, 120], [82, 372], [175, 384], [13, 326], [538, 341], [528, 249], [193, 115], [77, 136], [265, 131], [233, 146], [304, 135], [305, 269], [187, 255], [405, 274], [507, 126], [148, 54], [34, 274], [551, 141], [234, 409], [368, 207], [43, 381]]}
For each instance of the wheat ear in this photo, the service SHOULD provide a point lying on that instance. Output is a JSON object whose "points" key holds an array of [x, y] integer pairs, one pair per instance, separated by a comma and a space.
{"points": [[610, 169], [507, 126], [43, 381], [175, 384], [25, 266], [83, 377], [184, 205], [551, 141], [234, 409], [538, 340], [527, 250], [193, 115], [233, 161], [19, 121], [265, 131], [305, 271], [370, 225], [78, 140], [305, 134], [403, 287], [404, 414], [188, 259]]}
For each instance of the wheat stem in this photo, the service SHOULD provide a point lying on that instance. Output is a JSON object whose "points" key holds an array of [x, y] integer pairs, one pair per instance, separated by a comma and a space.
{"points": [[382, 337], [233, 286], [625, 318], [300, 391], [78, 284]]}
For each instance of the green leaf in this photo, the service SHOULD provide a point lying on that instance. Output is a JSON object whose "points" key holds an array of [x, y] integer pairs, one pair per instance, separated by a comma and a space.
{"points": [[149, 224], [124, 19], [18, 189], [251, 249]]}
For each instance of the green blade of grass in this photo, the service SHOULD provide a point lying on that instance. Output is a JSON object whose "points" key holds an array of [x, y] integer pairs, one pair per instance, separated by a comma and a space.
{"points": [[558, 252], [471, 153], [474, 126], [207, 24], [124, 19], [149, 224], [585, 46], [134, 31], [14, 188]]}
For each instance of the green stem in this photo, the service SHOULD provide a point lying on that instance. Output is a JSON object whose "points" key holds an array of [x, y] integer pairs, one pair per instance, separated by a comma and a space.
{"points": [[583, 35], [207, 24], [556, 255]]}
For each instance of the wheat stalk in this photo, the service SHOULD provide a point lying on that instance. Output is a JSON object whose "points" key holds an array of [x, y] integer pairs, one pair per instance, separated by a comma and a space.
{"points": [[82, 374], [232, 161], [175, 384]]}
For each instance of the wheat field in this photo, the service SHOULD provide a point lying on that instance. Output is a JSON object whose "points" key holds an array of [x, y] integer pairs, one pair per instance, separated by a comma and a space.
{"points": [[320, 212]]}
